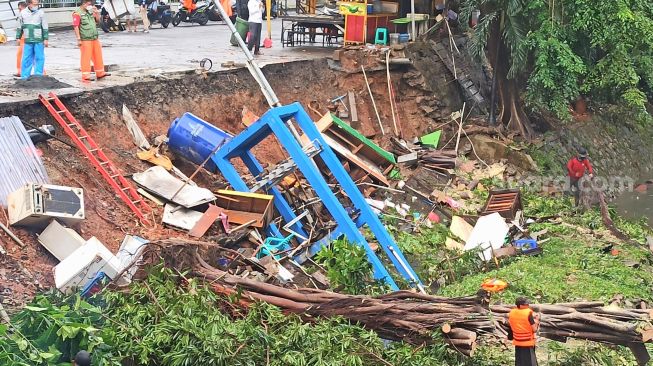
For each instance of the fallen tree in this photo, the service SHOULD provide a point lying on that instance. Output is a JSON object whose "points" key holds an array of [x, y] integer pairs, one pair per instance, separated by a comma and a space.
{"points": [[414, 318]]}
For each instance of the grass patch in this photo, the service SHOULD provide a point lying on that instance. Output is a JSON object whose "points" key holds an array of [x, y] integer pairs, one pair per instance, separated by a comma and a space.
{"points": [[573, 265]]}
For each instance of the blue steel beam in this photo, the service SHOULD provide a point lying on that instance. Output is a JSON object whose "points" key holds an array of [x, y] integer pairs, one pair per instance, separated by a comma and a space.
{"points": [[274, 121], [355, 196]]}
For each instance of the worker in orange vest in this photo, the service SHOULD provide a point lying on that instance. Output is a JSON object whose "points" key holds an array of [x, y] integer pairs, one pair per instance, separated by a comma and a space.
{"points": [[21, 42], [189, 5], [85, 20], [524, 323]]}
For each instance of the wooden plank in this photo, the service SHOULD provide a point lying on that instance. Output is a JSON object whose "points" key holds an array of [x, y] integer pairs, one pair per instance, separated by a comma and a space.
{"points": [[344, 152], [242, 217], [352, 107], [205, 223]]}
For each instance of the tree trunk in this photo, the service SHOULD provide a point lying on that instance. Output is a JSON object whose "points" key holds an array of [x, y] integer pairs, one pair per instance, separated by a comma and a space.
{"points": [[511, 109]]}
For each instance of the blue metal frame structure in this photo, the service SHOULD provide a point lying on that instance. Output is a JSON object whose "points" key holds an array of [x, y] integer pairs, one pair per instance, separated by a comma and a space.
{"points": [[275, 122]]}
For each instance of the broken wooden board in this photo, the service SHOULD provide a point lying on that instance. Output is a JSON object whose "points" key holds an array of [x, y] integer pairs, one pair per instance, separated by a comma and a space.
{"points": [[407, 158], [352, 107], [355, 148], [243, 207], [205, 223], [461, 229]]}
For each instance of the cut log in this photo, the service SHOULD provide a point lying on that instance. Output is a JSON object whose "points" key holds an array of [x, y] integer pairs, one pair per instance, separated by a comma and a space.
{"points": [[412, 317]]}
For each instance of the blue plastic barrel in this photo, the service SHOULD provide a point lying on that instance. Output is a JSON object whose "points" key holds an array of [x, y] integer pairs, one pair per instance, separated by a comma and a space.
{"points": [[195, 139]]}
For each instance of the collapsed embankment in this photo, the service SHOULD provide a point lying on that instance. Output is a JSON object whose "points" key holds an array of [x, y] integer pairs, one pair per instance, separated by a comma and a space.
{"points": [[216, 97]]}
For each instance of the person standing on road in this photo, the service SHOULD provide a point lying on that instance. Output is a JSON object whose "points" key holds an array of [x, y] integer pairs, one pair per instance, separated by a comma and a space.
{"points": [[576, 170], [34, 28], [255, 21], [85, 26], [20, 41], [132, 24], [144, 16], [524, 323]]}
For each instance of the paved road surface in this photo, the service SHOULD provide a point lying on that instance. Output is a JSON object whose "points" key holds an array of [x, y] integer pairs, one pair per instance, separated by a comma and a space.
{"points": [[139, 54]]}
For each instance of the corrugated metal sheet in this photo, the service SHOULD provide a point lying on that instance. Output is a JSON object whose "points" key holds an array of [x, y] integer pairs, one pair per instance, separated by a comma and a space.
{"points": [[19, 160]]}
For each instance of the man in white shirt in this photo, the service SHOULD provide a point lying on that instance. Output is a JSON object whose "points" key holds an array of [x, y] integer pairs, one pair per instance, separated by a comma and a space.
{"points": [[255, 21]]}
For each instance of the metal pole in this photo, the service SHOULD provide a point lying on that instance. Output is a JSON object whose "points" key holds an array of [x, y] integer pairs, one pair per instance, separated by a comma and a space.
{"points": [[254, 69], [412, 21]]}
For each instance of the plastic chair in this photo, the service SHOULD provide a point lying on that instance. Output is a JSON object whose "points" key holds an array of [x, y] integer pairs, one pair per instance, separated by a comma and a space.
{"points": [[274, 245], [381, 36]]}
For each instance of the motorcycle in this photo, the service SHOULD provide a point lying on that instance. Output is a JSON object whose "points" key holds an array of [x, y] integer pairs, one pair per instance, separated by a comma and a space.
{"points": [[199, 15], [161, 15]]}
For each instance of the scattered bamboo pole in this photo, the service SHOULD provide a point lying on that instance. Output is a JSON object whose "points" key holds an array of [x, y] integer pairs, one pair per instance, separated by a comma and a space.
{"points": [[369, 90], [392, 107]]}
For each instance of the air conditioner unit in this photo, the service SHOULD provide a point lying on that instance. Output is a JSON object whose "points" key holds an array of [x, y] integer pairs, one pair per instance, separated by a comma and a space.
{"points": [[82, 266], [37, 204]]}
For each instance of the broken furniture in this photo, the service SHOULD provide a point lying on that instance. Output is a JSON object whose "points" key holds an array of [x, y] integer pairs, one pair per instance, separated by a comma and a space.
{"points": [[36, 204], [195, 139], [274, 122], [82, 266], [60, 241], [20, 162], [244, 207], [93, 152], [273, 245], [363, 155], [505, 201]]}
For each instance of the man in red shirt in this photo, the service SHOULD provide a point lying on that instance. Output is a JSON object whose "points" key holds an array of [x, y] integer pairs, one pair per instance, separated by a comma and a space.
{"points": [[576, 168]]}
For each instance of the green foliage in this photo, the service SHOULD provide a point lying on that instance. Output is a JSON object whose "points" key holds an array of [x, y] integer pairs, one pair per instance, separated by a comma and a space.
{"points": [[170, 321], [568, 270], [599, 48], [557, 71], [51, 331], [432, 260], [574, 264], [348, 269], [577, 353]]}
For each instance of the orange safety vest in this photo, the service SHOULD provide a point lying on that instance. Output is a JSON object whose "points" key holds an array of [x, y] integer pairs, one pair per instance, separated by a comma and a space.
{"points": [[522, 330]]}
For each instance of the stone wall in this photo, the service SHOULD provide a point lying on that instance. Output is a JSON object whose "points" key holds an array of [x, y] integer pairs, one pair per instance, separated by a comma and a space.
{"points": [[617, 145]]}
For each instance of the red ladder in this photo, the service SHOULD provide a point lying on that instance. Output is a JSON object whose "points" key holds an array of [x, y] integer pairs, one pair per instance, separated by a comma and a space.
{"points": [[94, 153]]}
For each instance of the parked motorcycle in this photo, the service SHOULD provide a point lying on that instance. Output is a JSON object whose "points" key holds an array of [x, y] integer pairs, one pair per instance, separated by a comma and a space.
{"points": [[161, 14], [199, 15]]}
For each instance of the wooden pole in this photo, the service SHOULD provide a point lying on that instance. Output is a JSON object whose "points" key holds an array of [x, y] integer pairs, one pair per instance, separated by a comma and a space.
{"points": [[392, 107], [460, 127], [369, 90]]}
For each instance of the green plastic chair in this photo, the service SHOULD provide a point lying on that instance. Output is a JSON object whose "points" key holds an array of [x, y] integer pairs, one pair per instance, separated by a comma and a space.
{"points": [[381, 36]]}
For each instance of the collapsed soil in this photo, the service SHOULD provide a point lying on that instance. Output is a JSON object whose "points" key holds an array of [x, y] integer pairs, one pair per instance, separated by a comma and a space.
{"points": [[40, 82], [215, 97]]}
